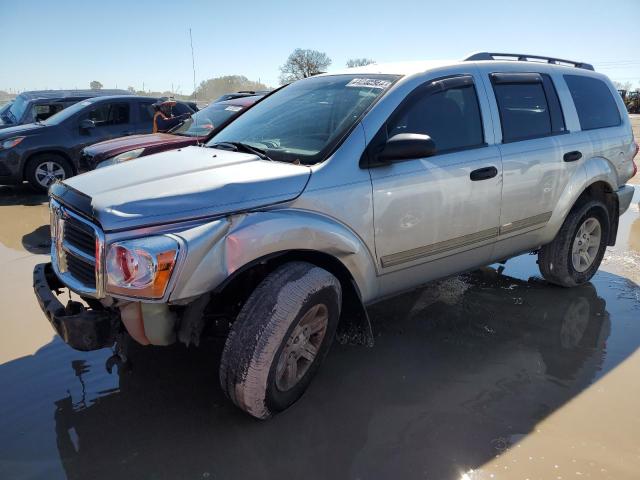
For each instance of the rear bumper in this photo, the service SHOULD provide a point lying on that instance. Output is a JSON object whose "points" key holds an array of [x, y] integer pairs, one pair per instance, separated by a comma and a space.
{"points": [[81, 327], [624, 194]]}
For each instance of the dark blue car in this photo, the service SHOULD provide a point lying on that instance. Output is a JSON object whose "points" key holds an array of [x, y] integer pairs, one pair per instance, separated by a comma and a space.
{"points": [[49, 150]]}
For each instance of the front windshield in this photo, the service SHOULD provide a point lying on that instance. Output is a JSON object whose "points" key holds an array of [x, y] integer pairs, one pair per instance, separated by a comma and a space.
{"points": [[304, 120], [16, 110], [204, 121], [62, 115]]}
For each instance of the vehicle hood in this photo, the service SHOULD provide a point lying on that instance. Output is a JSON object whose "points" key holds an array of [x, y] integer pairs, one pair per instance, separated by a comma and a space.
{"points": [[184, 184], [16, 130], [124, 144]]}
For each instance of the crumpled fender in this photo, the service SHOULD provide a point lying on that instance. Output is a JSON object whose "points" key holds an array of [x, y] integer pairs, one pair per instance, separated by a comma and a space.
{"points": [[218, 249]]}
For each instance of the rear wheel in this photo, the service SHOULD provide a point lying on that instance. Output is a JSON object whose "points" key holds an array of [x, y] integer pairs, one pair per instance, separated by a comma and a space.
{"points": [[574, 256], [45, 169], [280, 337]]}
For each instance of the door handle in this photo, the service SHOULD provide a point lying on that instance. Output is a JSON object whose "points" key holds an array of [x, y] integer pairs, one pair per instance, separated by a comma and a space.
{"points": [[572, 156], [483, 174]]}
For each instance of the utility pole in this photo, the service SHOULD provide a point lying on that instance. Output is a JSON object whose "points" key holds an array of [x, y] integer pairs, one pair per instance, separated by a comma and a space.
{"points": [[193, 64]]}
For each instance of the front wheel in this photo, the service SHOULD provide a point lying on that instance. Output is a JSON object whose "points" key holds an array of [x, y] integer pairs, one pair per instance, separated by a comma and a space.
{"points": [[45, 169], [574, 255], [280, 337]]}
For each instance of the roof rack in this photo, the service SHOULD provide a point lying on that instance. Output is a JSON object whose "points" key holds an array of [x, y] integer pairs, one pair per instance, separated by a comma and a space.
{"points": [[521, 57]]}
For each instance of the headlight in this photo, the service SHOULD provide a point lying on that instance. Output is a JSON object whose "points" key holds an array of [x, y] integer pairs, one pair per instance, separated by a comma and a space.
{"points": [[123, 157], [11, 142], [141, 267]]}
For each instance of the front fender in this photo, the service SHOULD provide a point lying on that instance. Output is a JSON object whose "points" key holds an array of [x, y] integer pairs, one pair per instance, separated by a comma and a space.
{"points": [[218, 249]]}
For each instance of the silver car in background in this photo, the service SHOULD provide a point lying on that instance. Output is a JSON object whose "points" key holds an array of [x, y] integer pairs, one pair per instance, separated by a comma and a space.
{"points": [[335, 192]]}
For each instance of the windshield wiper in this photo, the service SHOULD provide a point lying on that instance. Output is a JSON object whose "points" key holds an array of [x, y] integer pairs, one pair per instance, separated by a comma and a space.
{"points": [[176, 126], [244, 147]]}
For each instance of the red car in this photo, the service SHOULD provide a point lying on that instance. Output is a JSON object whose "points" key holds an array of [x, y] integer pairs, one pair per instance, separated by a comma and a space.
{"points": [[194, 130]]}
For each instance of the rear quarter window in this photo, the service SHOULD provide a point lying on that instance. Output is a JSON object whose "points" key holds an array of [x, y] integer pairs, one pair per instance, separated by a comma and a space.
{"points": [[594, 102]]}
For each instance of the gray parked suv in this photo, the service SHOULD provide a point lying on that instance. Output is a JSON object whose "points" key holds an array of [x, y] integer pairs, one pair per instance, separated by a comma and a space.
{"points": [[335, 192]]}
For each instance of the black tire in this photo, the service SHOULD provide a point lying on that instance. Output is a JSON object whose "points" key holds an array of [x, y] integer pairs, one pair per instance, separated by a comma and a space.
{"points": [[554, 259], [264, 329], [32, 169]]}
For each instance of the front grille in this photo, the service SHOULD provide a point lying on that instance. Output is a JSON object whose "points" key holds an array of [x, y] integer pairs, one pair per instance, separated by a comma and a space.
{"points": [[80, 236], [83, 271], [76, 251]]}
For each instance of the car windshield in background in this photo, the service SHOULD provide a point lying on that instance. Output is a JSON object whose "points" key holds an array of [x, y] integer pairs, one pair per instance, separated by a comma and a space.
{"points": [[66, 113], [4, 116], [16, 110], [201, 123], [303, 121]]}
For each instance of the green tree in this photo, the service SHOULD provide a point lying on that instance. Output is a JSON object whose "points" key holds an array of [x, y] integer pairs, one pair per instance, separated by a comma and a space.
{"points": [[303, 63], [215, 87], [95, 85]]}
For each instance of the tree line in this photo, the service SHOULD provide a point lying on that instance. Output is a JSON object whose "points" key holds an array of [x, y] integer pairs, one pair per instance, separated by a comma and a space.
{"points": [[301, 63]]}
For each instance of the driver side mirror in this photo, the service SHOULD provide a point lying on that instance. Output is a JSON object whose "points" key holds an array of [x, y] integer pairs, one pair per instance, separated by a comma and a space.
{"points": [[87, 124], [406, 146]]}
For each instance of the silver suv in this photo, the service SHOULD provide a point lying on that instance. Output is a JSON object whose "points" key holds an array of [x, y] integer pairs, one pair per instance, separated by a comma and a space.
{"points": [[335, 192]]}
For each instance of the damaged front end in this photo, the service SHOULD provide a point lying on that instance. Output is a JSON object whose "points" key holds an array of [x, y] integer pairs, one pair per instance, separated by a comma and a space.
{"points": [[81, 327]]}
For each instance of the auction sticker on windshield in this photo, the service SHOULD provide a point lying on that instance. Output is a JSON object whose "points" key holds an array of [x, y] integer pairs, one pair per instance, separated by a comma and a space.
{"points": [[233, 108], [369, 83]]}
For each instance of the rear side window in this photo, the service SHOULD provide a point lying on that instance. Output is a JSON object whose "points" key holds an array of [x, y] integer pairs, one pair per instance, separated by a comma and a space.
{"points": [[109, 114], [594, 103], [146, 112], [524, 112], [451, 117], [528, 104]]}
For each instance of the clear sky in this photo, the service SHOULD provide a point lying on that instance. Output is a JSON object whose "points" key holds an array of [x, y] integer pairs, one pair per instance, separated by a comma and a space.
{"points": [[66, 44]]}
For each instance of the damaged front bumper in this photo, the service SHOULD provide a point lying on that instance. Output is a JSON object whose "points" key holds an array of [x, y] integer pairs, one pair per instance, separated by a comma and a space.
{"points": [[81, 327]]}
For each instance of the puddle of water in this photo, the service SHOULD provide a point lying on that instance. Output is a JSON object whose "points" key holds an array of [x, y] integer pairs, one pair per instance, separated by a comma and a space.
{"points": [[24, 239], [24, 220], [463, 370]]}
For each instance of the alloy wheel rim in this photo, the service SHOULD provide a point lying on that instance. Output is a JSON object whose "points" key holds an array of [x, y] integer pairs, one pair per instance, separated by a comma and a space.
{"points": [[302, 347], [48, 172], [586, 244]]}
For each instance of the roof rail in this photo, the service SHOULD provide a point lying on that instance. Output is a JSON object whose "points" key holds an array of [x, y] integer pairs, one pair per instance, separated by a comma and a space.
{"points": [[521, 57]]}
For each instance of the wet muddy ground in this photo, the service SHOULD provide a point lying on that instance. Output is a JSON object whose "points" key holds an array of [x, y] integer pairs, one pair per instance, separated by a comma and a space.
{"points": [[494, 374]]}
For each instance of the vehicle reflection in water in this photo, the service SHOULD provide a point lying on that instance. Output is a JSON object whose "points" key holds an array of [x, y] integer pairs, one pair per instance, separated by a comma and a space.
{"points": [[459, 369]]}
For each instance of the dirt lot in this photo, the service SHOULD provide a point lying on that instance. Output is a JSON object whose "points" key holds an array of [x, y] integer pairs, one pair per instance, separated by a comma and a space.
{"points": [[488, 375]]}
